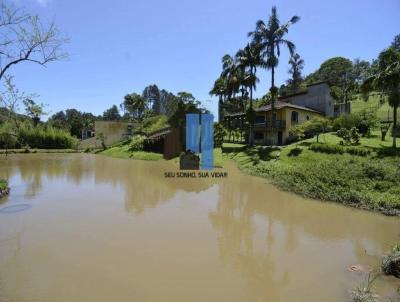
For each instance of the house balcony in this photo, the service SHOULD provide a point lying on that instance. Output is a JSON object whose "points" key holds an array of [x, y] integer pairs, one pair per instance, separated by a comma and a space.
{"points": [[277, 124]]}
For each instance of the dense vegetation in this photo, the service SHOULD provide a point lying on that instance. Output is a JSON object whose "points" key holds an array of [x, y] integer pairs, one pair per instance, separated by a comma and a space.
{"points": [[29, 136]]}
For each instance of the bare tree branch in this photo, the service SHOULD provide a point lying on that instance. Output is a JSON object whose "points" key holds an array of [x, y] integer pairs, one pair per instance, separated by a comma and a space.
{"points": [[24, 38]]}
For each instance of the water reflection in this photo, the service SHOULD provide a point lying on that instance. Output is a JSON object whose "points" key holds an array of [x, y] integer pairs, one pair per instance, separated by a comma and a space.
{"points": [[246, 238], [143, 183], [268, 237]]}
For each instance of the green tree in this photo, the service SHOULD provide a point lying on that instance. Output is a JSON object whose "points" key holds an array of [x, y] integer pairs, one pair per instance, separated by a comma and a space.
{"points": [[34, 110], [331, 70], [270, 36], [74, 122], [296, 66], [112, 114], [220, 89], [152, 94], [387, 80], [250, 58], [396, 42], [135, 105]]}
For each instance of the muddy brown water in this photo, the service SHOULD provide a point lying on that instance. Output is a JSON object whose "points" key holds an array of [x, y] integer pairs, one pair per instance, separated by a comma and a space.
{"points": [[92, 228]]}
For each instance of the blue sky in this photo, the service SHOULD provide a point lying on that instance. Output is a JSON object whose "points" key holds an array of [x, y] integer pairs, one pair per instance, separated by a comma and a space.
{"points": [[120, 46]]}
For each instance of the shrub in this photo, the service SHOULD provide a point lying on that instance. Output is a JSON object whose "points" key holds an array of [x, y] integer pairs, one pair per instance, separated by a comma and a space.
{"points": [[360, 151], [41, 136], [325, 148], [219, 134], [310, 128], [338, 149], [3, 184], [349, 136], [391, 262], [364, 121], [137, 143]]}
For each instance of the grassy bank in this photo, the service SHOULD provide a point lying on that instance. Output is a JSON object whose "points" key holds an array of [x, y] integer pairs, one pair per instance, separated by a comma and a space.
{"points": [[16, 151], [123, 152], [370, 181]]}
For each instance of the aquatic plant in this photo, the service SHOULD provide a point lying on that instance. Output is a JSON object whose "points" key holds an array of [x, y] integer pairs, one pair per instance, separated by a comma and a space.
{"points": [[391, 262], [364, 292], [4, 189]]}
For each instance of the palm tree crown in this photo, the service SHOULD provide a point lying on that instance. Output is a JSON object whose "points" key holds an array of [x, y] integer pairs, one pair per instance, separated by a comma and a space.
{"points": [[270, 37]]}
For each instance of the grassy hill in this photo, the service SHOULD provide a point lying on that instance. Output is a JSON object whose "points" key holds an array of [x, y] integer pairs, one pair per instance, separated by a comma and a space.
{"points": [[367, 179], [383, 110]]}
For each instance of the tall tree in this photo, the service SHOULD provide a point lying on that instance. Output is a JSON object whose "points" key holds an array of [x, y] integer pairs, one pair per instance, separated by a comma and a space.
{"points": [[396, 42], [24, 38], [250, 58], [361, 70], [387, 80], [112, 114], [270, 36], [296, 66], [152, 94], [34, 110], [220, 89], [135, 105]]}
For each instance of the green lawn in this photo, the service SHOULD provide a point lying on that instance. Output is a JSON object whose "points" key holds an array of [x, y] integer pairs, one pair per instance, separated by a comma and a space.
{"points": [[371, 181]]}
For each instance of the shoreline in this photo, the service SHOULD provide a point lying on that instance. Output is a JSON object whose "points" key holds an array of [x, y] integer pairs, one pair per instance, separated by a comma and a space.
{"points": [[274, 171]]}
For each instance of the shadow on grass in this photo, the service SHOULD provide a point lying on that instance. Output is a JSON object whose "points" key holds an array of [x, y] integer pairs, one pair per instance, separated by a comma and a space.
{"points": [[255, 153], [295, 152], [387, 152], [305, 144]]}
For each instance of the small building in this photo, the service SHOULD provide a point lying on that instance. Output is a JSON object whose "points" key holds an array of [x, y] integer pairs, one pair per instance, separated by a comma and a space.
{"points": [[109, 133], [317, 96], [290, 110], [167, 141], [273, 128]]}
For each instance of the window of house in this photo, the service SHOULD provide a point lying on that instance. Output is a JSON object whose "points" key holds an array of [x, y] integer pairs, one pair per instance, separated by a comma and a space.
{"points": [[260, 119], [307, 117], [258, 135], [295, 116]]}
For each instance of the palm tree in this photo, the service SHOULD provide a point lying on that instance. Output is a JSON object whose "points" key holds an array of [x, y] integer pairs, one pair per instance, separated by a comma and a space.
{"points": [[230, 72], [297, 65], [387, 80], [250, 57], [269, 36], [219, 89]]}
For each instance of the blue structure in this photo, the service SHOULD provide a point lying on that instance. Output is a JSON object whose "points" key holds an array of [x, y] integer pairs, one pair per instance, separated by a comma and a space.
{"points": [[207, 142], [206, 132]]}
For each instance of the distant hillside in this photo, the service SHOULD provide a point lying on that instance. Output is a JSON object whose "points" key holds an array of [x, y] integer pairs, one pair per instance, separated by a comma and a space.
{"points": [[383, 110]]}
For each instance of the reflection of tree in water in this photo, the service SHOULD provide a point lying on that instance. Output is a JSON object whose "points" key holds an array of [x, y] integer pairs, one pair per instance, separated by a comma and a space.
{"points": [[143, 182], [32, 168], [247, 208], [234, 219]]}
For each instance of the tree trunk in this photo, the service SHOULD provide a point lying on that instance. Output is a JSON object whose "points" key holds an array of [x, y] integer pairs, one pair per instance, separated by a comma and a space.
{"points": [[251, 124], [394, 132], [272, 104], [220, 115]]}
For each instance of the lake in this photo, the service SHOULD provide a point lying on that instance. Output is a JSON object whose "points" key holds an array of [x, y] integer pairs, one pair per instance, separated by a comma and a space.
{"points": [[83, 227]]}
